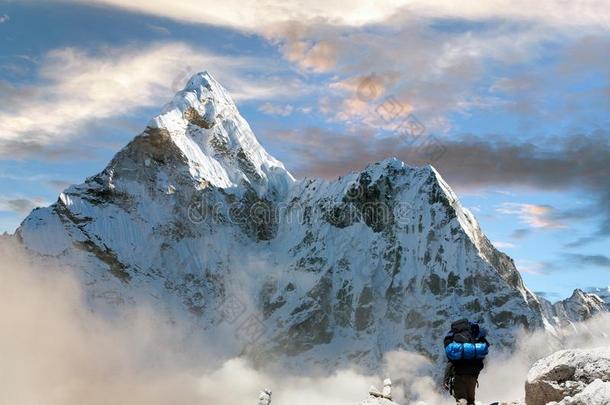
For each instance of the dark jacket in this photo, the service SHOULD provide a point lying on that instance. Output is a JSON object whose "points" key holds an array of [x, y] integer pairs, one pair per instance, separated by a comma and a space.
{"points": [[469, 367]]}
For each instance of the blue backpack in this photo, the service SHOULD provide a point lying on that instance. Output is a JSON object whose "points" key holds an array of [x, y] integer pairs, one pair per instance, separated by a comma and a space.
{"points": [[466, 341]]}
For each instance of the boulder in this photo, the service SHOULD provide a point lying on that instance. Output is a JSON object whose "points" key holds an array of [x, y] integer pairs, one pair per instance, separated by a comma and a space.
{"points": [[596, 393], [377, 401], [377, 397], [570, 375]]}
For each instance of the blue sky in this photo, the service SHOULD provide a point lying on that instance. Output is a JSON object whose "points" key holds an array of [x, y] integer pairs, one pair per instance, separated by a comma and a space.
{"points": [[515, 95]]}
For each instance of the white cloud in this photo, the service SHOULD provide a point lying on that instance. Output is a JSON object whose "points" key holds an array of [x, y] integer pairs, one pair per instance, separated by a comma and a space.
{"points": [[254, 15], [536, 216], [76, 88], [438, 72], [503, 245], [274, 109], [4, 18], [533, 267], [258, 16], [20, 205], [568, 13]]}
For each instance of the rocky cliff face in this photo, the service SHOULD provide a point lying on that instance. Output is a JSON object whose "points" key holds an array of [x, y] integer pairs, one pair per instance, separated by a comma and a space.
{"points": [[195, 218]]}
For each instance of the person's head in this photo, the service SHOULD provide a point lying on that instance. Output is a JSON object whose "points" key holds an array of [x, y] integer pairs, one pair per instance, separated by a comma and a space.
{"points": [[477, 331], [474, 329]]}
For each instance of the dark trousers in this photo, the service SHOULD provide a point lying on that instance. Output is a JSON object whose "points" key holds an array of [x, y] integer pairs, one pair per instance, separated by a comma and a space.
{"points": [[464, 386]]}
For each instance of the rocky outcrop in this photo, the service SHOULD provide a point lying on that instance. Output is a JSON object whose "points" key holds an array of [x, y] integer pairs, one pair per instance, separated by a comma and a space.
{"points": [[377, 397], [570, 377]]}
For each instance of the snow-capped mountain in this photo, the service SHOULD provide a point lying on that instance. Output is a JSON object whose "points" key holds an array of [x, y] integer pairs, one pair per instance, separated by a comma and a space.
{"points": [[603, 293], [579, 307], [194, 217]]}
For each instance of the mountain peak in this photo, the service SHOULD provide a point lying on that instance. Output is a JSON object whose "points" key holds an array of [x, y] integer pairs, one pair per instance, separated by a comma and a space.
{"points": [[201, 91], [202, 78], [202, 131]]}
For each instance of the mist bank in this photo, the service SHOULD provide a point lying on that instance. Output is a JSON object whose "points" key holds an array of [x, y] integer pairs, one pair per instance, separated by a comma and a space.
{"points": [[55, 350]]}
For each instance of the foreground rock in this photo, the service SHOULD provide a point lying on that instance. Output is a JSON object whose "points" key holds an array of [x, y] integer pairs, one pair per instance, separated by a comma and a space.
{"points": [[377, 397], [570, 377], [377, 401]]}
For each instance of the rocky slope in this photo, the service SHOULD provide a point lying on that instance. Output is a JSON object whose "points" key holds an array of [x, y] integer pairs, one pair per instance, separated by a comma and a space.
{"points": [[570, 377], [195, 218]]}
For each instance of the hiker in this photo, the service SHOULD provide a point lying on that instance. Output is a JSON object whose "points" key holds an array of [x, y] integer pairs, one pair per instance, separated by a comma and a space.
{"points": [[466, 348]]}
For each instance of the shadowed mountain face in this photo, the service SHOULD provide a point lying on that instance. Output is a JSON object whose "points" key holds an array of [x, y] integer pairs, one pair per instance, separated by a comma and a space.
{"points": [[195, 218]]}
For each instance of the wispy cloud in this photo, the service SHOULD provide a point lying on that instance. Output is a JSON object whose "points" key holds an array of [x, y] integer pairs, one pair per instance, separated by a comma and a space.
{"points": [[454, 67], [533, 267], [551, 296], [450, 64], [534, 215], [589, 260], [503, 245], [4, 18], [255, 16], [276, 109], [158, 29], [20, 205], [520, 233], [261, 15], [76, 87], [58, 185]]}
